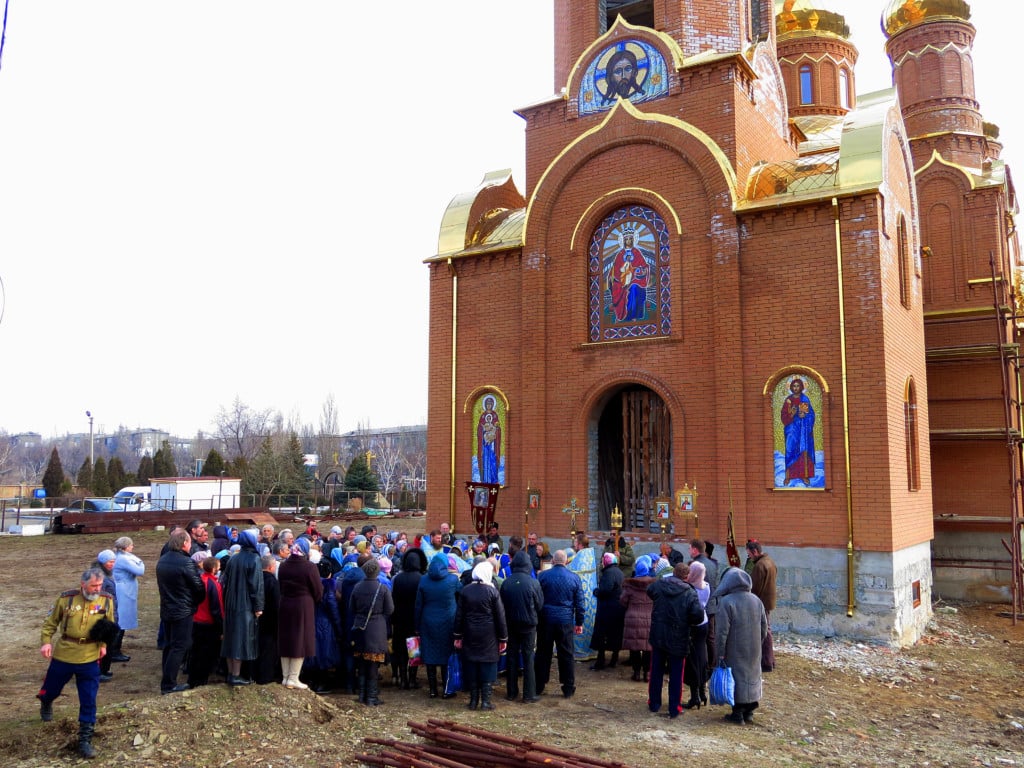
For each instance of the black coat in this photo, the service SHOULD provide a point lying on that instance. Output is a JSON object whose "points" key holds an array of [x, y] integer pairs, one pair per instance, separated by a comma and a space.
{"points": [[370, 605], [180, 585], [611, 613], [480, 622], [403, 591], [676, 609], [521, 594]]}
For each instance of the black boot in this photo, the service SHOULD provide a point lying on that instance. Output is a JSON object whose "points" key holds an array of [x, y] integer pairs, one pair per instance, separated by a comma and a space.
{"points": [[362, 682], [432, 680], [736, 716], [599, 664], [474, 699], [403, 678], [485, 697], [414, 684], [373, 698], [703, 696], [115, 652], [694, 698], [85, 731], [45, 710], [614, 660]]}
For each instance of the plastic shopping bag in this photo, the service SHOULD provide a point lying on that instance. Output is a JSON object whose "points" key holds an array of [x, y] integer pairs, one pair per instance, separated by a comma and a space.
{"points": [[413, 646], [454, 681], [722, 688]]}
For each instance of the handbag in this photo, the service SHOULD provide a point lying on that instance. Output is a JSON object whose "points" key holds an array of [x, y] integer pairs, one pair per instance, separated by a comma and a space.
{"points": [[412, 645], [358, 636], [722, 687], [454, 682], [768, 652]]}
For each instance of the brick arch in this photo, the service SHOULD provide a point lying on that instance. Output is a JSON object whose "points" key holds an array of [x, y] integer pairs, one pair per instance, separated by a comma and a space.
{"points": [[589, 409], [599, 389], [623, 126]]}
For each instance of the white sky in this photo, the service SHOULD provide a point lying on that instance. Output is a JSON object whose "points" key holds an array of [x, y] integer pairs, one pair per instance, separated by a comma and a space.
{"points": [[208, 199]]}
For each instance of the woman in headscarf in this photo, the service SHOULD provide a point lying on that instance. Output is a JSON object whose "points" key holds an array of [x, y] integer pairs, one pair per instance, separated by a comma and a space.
{"points": [[127, 570], [301, 590], [370, 607], [242, 584], [351, 575], [637, 620], [608, 621], [435, 618], [695, 673], [480, 634], [740, 627], [403, 620]]}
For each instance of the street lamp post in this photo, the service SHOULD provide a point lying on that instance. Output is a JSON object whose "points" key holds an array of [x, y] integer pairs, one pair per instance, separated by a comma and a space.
{"points": [[92, 459]]}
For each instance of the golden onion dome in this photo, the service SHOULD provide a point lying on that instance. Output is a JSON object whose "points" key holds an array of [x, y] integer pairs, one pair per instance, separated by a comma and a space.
{"points": [[900, 14], [808, 17]]}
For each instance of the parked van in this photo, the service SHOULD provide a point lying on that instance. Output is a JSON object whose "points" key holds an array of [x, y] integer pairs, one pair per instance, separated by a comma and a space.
{"points": [[133, 498]]}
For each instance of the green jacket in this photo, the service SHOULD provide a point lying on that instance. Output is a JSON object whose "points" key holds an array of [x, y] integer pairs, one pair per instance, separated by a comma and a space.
{"points": [[626, 556], [71, 618]]}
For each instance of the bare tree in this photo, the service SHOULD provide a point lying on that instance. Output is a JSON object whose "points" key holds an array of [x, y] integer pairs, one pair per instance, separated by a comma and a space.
{"points": [[242, 429], [328, 444], [387, 463]]}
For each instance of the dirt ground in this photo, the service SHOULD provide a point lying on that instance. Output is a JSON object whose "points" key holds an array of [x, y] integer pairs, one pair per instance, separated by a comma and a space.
{"points": [[956, 699]]}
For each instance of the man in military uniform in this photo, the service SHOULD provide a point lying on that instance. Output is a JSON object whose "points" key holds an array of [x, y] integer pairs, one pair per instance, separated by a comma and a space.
{"points": [[76, 653]]}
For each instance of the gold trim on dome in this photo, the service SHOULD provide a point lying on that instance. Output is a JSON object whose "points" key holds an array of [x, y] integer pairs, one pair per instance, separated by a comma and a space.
{"points": [[623, 190], [799, 18], [903, 14], [453, 235]]}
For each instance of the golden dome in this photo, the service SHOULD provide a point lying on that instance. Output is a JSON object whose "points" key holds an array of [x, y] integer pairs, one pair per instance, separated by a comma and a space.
{"points": [[900, 14], [808, 17]]}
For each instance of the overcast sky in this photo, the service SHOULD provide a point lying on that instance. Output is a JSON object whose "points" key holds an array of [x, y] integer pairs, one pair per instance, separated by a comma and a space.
{"points": [[204, 200]]}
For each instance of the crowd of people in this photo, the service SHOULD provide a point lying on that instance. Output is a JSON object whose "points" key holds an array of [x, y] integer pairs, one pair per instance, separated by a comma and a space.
{"points": [[261, 606]]}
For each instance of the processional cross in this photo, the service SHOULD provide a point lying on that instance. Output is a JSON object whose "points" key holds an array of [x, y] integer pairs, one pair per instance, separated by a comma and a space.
{"points": [[572, 510]]}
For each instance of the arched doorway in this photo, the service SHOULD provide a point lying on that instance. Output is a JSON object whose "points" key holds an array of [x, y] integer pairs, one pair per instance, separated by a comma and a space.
{"points": [[634, 457]]}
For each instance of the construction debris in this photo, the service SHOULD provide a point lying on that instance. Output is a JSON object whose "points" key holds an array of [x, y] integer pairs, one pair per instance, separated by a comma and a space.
{"points": [[447, 744]]}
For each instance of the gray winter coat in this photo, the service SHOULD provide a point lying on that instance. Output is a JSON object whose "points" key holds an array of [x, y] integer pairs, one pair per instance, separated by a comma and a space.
{"points": [[741, 626]]}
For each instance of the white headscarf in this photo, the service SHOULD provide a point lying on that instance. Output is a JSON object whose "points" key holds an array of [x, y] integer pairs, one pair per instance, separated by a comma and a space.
{"points": [[483, 572]]}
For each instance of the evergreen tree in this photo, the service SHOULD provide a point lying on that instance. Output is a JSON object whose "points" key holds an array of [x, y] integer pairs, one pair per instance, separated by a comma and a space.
{"points": [[116, 477], [100, 483], [360, 477], [163, 462], [264, 476], [84, 479], [214, 464], [145, 471], [53, 477], [295, 477]]}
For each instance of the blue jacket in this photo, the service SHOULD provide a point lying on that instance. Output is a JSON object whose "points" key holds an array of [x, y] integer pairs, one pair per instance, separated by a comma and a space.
{"points": [[563, 596], [328, 628], [436, 598]]}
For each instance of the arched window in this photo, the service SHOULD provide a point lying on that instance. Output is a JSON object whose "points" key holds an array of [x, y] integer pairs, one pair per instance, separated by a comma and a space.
{"points": [[911, 436], [806, 85], [903, 257], [844, 88]]}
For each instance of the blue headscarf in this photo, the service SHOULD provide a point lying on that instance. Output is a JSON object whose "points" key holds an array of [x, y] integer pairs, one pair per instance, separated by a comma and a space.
{"points": [[338, 556], [642, 567], [247, 540], [301, 544]]}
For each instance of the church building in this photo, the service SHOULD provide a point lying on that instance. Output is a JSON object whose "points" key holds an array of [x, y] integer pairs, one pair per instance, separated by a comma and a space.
{"points": [[738, 296]]}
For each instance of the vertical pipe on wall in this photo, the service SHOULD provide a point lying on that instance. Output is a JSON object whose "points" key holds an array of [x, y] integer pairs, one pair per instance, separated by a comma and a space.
{"points": [[455, 330], [846, 411]]}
